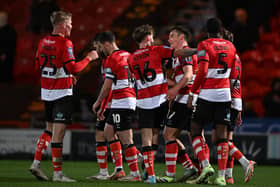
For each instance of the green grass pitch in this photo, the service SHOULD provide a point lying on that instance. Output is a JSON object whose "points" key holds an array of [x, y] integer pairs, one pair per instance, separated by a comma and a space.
{"points": [[15, 173]]}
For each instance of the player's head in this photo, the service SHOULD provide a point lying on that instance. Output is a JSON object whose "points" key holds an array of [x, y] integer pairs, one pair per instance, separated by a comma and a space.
{"points": [[62, 22], [96, 47], [144, 34], [241, 15], [227, 35], [3, 18], [178, 36], [105, 42], [214, 27]]}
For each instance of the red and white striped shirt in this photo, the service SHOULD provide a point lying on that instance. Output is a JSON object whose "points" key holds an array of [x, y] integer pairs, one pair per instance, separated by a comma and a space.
{"points": [[117, 69], [235, 80], [177, 64], [215, 57], [55, 58], [147, 65]]}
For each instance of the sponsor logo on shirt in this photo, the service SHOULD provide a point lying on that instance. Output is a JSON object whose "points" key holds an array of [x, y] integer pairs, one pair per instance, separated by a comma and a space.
{"points": [[217, 42], [140, 51], [70, 51], [167, 47], [201, 53], [49, 41]]}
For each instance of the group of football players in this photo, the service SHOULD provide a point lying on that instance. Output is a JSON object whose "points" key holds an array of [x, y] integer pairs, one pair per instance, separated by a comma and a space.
{"points": [[179, 87]]}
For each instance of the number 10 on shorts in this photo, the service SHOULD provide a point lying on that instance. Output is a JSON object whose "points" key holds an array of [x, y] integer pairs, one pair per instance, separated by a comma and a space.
{"points": [[116, 118]]}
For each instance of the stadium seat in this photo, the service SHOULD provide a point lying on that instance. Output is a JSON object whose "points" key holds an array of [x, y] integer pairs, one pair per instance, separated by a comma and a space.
{"points": [[274, 24], [253, 89], [270, 38], [271, 60], [251, 56], [250, 71], [244, 92], [24, 44], [258, 107], [24, 70]]}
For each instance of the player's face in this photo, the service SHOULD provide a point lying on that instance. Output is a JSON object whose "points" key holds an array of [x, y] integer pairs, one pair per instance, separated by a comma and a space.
{"points": [[102, 47], [98, 46], [68, 27], [95, 45], [173, 39], [150, 39]]}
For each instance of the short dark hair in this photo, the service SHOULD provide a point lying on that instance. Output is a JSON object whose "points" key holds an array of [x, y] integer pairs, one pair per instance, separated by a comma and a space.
{"points": [[214, 25], [181, 30], [141, 32], [105, 36]]}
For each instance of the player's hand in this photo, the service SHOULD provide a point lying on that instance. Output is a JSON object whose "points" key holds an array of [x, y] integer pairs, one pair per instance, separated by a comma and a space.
{"points": [[3, 57], [171, 94], [92, 55], [190, 101], [170, 82], [170, 104], [100, 114], [95, 107], [239, 120], [75, 80]]}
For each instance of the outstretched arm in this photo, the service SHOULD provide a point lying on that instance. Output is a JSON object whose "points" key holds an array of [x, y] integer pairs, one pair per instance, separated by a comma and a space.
{"points": [[184, 52], [75, 67]]}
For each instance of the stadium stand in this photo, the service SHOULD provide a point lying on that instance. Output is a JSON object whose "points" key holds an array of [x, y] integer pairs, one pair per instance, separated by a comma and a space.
{"points": [[260, 65], [89, 17]]}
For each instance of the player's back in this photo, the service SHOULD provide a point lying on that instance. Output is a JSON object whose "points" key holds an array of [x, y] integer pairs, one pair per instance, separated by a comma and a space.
{"points": [[220, 55], [53, 53], [118, 62], [52, 48], [117, 69], [147, 65]]}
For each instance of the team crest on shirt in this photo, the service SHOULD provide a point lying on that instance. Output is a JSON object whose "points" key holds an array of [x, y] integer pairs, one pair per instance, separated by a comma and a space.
{"points": [[201, 53], [70, 51]]}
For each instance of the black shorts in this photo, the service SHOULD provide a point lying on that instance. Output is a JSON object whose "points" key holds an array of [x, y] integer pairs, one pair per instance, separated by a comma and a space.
{"points": [[153, 118], [179, 116], [100, 124], [216, 112], [60, 110], [121, 119], [233, 119]]}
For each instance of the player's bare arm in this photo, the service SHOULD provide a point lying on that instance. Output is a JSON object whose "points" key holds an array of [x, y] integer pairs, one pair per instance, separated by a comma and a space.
{"points": [[188, 73], [100, 114], [190, 101], [184, 52], [105, 90], [201, 74]]}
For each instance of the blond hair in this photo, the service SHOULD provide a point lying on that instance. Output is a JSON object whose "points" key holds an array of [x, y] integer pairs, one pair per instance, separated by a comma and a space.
{"points": [[60, 17]]}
